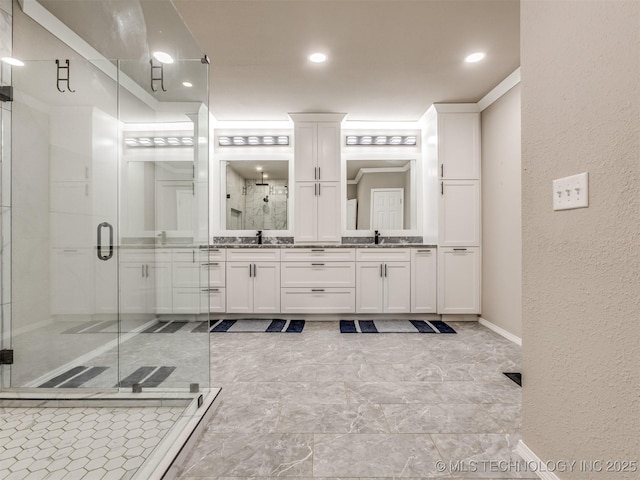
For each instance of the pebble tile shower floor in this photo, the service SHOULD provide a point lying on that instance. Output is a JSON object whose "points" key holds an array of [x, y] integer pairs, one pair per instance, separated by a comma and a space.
{"points": [[321, 404]]}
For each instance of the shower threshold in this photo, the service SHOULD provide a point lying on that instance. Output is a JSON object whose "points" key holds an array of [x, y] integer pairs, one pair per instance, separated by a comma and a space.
{"points": [[89, 434]]}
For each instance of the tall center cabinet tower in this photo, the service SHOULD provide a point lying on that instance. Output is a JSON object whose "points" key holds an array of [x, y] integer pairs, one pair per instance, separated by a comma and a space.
{"points": [[317, 177], [457, 134]]}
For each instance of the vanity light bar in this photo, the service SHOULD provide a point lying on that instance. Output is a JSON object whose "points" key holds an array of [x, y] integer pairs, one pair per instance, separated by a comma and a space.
{"points": [[253, 140], [381, 139], [159, 142]]}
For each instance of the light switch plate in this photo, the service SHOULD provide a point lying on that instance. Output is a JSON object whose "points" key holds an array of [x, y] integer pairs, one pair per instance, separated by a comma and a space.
{"points": [[571, 192]]}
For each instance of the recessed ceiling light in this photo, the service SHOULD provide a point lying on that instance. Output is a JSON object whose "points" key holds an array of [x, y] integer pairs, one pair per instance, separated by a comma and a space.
{"points": [[187, 84], [163, 57], [13, 61], [318, 57], [475, 57]]}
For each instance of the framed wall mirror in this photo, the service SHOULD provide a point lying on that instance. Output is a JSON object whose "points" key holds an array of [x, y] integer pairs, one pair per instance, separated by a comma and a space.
{"points": [[380, 195], [255, 195]]}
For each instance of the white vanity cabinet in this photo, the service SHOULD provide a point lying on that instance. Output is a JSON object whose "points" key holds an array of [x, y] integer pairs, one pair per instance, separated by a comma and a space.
{"points": [[253, 280], [198, 280], [317, 212], [424, 275], [383, 279], [317, 150], [459, 216], [145, 281], [317, 178], [458, 141], [72, 292], [459, 277], [318, 280]]}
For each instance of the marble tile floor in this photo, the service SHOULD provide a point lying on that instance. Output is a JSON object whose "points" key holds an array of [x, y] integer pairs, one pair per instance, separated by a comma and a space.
{"points": [[91, 443], [322, 404]]}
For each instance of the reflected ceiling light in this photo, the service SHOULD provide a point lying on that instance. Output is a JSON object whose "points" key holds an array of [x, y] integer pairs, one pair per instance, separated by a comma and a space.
{"points": [[265, 176], [137, 142], [381, 140], [13, 61], [475, 57], [163, 57], [318, 57], [187, 84], [259, 169], [253, 140]]}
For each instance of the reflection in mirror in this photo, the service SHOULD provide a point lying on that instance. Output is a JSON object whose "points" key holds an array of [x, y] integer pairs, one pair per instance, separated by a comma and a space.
{"points": [[257, 195], [379, 195]]}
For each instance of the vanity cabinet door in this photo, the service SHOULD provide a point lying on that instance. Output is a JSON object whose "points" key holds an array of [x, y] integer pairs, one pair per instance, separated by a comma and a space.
{"points": [[328, 152], [306, 225], [397, 287], [369, 287], [266, 287], [306, 153], [459, 145], [239, 287], [423, 280], [459, 280], [328, 212], [459, 213]]}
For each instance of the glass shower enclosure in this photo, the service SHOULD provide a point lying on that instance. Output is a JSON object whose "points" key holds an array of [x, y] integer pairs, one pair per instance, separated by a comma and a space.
{"points": [[110, 189]]}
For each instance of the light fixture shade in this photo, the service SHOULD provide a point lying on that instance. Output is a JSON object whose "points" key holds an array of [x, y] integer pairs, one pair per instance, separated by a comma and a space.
{"points": [[253, 141], [163, 57], [137, 142], [381, 140]]}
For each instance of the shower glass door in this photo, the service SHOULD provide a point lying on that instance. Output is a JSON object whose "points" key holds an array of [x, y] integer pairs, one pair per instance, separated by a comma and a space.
{"points": [[65, 327], [164, 218], [110, 270]]}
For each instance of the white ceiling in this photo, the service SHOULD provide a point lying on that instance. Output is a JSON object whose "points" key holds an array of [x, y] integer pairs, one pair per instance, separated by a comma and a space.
{"points": [[388, 59]]}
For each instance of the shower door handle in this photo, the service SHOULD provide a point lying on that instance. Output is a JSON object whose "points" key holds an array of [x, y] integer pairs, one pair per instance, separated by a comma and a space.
{"points": [[99, 241]]}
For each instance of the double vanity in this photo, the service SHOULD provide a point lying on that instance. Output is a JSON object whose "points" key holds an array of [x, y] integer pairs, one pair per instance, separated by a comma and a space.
{"points": [[303, 280]]}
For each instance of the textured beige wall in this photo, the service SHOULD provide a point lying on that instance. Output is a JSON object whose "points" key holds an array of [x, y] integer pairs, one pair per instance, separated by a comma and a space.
{"points": [[581, 268], [501, 214]]}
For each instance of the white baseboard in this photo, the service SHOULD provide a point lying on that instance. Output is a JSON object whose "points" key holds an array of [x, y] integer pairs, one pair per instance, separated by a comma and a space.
{"points": [[529, 456], [500, 331]]}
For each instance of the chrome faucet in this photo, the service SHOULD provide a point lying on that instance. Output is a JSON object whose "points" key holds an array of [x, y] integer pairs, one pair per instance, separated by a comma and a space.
{"points": [[162, 236], [376, 238], [259, 236]]}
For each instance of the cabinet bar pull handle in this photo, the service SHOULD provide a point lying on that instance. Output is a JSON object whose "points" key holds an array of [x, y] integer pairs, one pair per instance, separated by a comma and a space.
{"points": [[193, 188], [255, 270], [319, 174], [315, 189], [459, 249], [317, 249], [210, 263], [317, 289], [70, 251], [250, 270], [424, 251], [441, 188], [193, 256], [317, 264], [381, 270], [385, 269], [147, 270], [442, 170], [210, 289], [319, 185], [315, 173]]}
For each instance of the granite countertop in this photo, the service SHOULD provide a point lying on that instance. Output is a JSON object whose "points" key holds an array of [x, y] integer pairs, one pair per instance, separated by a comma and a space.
{"points": [[279, 245]]}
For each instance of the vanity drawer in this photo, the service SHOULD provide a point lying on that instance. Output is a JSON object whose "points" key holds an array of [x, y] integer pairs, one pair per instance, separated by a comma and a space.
{"points": [[212, 274], [145, 255], [185, 255], [382, 254], [318, 274], [253, 255], [318, 300], [214, 254], [322, 254], [213, 300]]}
